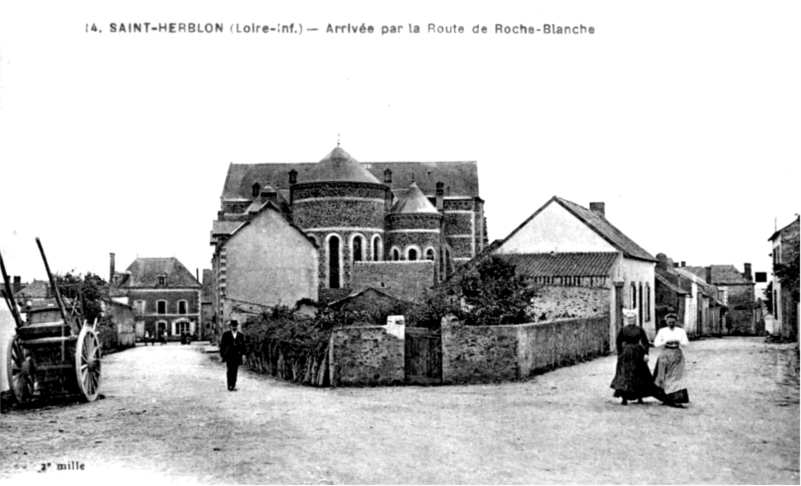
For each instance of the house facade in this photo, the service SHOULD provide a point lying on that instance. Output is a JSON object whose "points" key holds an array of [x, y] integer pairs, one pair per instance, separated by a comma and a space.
{"points": [[785, 249], [736, 291], [592, 253], [164, 295], [264, 262], [399, 227]]}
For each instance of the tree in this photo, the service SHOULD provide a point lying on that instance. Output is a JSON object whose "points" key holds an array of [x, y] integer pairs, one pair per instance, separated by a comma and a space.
{"points": [[89, 290], [495, 294], [787, 273]]}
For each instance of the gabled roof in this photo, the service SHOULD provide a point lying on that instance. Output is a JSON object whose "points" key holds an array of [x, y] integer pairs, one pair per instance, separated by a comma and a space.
{"points": [[145, 272], [721, 275], [705, 288], [779, 232], [460, 178], [413, 201], [597, 223], [561, 264], [274, 207], [667, 283]]}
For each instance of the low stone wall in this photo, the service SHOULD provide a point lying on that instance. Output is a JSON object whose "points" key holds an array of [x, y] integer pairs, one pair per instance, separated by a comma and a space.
{"points": [[475, 354], [366, 355]]}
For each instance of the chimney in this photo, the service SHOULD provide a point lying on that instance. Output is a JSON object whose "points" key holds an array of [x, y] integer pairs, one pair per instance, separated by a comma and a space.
{"points": [[709, 275], [197, 274], [17, 284], [293, 176], [675, 265], [387, 176], [598, 208], [662, 261], [111, 268], [683, 264], [747, 272], [255, 190], [440, 195]]}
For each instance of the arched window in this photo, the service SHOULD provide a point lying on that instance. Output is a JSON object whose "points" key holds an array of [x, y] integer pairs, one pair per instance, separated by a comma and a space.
{"points": [[358, 252], [395, 254], [430, 254], [333, 262], [411, 254], [378, 249]]}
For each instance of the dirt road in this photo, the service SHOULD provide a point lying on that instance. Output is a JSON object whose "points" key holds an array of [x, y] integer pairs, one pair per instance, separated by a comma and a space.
{"points": [[167, 415]]}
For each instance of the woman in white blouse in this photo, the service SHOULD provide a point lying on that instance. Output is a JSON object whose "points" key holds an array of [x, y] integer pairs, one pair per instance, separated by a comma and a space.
{"points": [[669, 370]]}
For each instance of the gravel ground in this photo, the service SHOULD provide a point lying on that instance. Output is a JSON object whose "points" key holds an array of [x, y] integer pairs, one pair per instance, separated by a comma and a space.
{"points": [[167, 416]]}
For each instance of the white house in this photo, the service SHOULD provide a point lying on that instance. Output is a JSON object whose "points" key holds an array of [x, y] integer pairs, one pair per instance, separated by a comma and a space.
{"points": [[561, 227]]}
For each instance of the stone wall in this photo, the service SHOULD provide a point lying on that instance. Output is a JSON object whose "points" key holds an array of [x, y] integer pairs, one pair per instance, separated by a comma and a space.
{"points": [[557, 302], [366, 355], [403, 280], [475, 354]]}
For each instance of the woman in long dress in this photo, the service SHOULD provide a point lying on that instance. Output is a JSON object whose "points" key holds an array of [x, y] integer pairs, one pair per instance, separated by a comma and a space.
{"points": [[669, 370], [633, 380]]}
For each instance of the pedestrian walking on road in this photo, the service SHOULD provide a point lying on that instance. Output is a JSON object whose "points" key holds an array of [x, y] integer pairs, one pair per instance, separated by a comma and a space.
{"points": [[669, 370], [633, 380], [232, 347]]}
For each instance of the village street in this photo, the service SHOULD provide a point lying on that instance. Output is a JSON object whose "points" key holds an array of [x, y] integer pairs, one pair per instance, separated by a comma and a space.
{"points": [[167, 415]]}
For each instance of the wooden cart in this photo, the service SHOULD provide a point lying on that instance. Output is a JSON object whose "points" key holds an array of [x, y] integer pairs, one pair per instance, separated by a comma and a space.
{"points": [[54, 352]]}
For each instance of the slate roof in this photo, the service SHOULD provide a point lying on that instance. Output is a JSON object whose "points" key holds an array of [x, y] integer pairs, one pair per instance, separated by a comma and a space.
{"points": [[779, 232], [38, 289], [561, 264], [460, 178], [705, 288], [721, 275], [606, 230], [340, 166], [667, 283], [413, 201], [145, 272], [597, 223], [225, 227]]}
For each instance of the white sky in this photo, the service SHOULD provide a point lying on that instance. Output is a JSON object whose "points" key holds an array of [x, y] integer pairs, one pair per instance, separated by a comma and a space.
{"points": [[683, 117]]}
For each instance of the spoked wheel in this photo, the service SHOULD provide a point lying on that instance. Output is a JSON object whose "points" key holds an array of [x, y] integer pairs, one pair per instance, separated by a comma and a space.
{"points": [[87, 363], [20, 371]]}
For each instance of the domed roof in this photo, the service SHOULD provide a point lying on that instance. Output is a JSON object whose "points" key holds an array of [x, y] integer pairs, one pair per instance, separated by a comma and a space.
{"points": [[340, 166], [413, 201]]}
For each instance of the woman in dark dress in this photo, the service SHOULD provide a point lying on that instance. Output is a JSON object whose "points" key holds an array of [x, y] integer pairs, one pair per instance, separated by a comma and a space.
{"points": [[633, 379]]}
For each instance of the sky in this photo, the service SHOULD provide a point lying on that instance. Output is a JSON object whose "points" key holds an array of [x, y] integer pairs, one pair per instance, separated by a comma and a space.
{"points": [[682, 117]]}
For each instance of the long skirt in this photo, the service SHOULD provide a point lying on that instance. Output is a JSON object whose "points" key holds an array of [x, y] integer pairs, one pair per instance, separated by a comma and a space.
{"points": [[669, 375], [632, 378]]}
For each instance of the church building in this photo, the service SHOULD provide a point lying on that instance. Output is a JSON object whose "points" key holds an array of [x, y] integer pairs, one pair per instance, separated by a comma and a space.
{"points": [[400, 227]]}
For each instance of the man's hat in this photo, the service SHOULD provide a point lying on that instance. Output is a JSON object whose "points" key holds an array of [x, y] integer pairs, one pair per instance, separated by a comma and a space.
{"points": [[668, 316]]}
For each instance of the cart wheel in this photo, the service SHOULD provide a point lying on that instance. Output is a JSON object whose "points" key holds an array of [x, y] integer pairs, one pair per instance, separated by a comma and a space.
{"points": [[20, 371], [87, 363]]}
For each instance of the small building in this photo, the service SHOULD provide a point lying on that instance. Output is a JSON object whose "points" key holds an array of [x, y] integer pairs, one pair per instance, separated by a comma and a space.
{"points": [[736, 291], [261, 262], [164, 295], [568, 245], [705, 312]]}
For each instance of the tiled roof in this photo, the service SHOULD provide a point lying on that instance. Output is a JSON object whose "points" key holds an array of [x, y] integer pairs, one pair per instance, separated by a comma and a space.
{"points": [[561, 264], [606, 230], [721, 275], [413, 201], [145, 272], [460, 178], [667, 283]]}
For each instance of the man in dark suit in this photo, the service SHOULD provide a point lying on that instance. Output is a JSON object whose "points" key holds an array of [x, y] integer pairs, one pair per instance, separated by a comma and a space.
{"points": [[232, 347]]}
